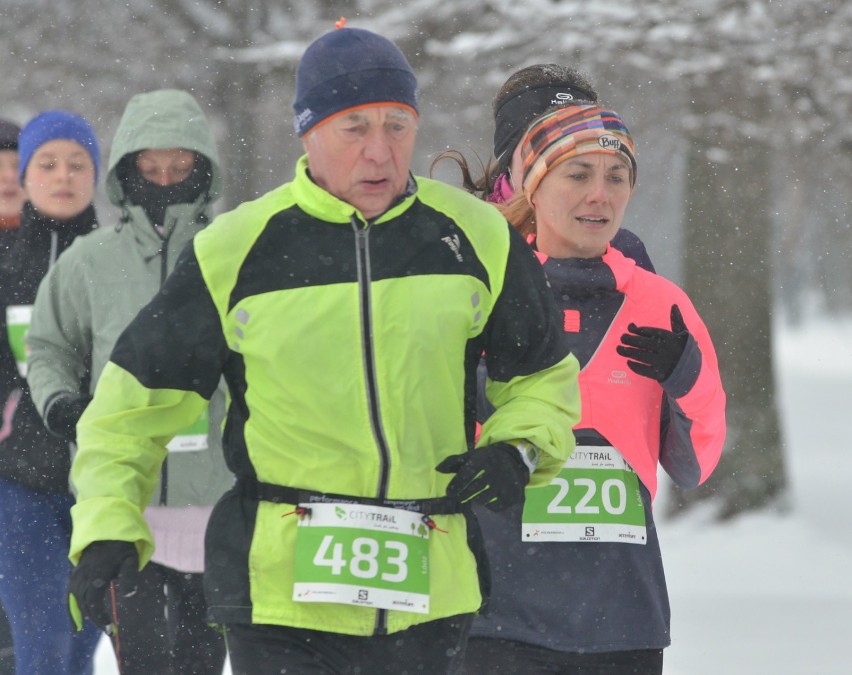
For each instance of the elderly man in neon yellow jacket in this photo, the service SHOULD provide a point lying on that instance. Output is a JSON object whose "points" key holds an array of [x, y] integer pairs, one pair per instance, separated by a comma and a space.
{"points": [[347, 311]]}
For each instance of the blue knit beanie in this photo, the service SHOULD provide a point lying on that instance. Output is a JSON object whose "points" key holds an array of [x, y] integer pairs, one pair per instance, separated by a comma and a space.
{"points": [[51, 125], [350, 67]]}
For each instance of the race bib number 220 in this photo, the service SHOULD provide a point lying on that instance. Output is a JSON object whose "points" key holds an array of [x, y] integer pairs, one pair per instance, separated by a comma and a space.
{"points": [[594, 498]]}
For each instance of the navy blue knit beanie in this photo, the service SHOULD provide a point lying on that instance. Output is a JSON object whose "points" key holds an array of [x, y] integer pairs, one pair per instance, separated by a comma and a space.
{"points": [[350, 67], [51, 125]]}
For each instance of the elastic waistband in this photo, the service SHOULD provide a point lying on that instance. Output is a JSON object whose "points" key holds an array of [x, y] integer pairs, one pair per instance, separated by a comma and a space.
{"points": [[281, 494]]}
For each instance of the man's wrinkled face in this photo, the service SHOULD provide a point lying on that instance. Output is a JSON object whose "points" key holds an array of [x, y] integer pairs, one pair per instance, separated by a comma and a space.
{"points": [[363, 156]]}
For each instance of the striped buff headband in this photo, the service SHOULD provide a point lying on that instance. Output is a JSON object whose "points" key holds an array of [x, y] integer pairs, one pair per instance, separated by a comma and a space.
{"points": [[572, 131]]}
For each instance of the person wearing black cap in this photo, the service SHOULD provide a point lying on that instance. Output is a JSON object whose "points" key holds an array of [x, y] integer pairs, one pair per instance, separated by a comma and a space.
{"points": [[347, 310], [58, 168]]}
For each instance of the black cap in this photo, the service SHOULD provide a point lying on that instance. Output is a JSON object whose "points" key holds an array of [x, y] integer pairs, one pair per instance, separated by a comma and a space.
{"points": [[9, 135]]}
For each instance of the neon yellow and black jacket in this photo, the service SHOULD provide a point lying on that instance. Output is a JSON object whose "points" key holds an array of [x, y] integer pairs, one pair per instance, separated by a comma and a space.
{"points": [[350, 350]]}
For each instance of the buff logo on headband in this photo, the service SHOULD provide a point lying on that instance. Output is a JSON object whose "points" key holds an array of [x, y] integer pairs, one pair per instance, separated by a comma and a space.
{"points": [[573, 131]]}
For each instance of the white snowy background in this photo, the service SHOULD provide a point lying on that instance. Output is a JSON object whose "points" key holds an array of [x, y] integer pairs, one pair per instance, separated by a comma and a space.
{"points": [[768, 593]]}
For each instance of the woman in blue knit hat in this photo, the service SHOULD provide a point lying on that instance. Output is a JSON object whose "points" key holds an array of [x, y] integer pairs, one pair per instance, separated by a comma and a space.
{"points": [[58, 168]]}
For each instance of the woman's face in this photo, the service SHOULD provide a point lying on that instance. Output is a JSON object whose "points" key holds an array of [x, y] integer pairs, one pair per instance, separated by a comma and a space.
{"points": [[579, 205], [60, 179]]}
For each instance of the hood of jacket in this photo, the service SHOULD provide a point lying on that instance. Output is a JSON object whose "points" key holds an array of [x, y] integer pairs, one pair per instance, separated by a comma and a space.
{"points": [[166, 118]]}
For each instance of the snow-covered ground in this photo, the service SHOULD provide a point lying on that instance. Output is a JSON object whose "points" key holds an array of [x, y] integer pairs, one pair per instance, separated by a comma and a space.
{"points": [[769, 593]]}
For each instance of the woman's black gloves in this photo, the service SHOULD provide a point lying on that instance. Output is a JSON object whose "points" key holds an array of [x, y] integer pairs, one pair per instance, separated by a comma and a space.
{"points": [[654, 352]]}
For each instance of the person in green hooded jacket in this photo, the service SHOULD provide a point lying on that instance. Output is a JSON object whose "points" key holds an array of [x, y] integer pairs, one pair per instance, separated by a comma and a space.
{"points": [[163, 174]]}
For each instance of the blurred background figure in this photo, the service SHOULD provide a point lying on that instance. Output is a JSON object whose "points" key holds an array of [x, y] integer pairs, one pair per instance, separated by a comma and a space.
{"points": [[11, 203], [11, 191]]}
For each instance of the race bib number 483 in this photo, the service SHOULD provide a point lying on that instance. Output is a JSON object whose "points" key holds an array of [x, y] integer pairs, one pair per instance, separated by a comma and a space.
{"points": [[594, 498], [370, 556]]}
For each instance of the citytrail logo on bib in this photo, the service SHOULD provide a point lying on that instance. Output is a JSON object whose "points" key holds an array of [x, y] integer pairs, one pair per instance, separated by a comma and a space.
{"points": [[608, 142], [454, 243], [354, 515]]}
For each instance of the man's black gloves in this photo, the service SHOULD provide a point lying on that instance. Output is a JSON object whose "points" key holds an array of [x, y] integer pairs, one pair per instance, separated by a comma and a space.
{"points": [[655, 351], [101, 563], [64, 412], [494, 476]]}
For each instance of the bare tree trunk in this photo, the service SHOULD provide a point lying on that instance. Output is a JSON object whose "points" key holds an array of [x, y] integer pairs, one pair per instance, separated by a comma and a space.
{"points": [[239, 90], [728, 275]]}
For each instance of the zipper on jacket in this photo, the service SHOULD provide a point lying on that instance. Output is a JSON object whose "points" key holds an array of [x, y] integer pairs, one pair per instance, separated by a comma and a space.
{"points": [[362, 253], [164, 272], [362, 239], [54, 248]]}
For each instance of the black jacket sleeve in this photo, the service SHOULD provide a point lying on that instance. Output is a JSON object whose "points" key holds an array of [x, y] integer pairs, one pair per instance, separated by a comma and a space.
{"points": [[524, 334], [177, 336]]}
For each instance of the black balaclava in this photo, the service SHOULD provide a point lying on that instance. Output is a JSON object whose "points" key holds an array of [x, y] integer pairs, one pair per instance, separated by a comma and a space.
{"points": [[153, 198]]}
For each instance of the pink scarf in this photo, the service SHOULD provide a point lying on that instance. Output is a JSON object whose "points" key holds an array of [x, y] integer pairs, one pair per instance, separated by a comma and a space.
{"points": [[502, 192]]}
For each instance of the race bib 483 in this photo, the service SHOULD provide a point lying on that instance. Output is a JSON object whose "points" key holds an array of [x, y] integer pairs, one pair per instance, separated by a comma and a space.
{"points": [[371, 556]]}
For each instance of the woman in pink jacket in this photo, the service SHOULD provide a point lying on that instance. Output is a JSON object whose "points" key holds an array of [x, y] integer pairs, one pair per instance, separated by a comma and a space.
{"points": [[578, 582]]}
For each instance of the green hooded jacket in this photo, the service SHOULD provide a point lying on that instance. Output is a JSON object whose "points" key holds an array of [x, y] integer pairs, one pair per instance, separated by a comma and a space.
{"points": [[100, 283]]}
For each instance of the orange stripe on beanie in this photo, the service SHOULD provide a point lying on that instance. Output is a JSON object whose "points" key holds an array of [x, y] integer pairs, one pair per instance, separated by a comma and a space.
{"points": [[568, 132], [348, 68]]}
